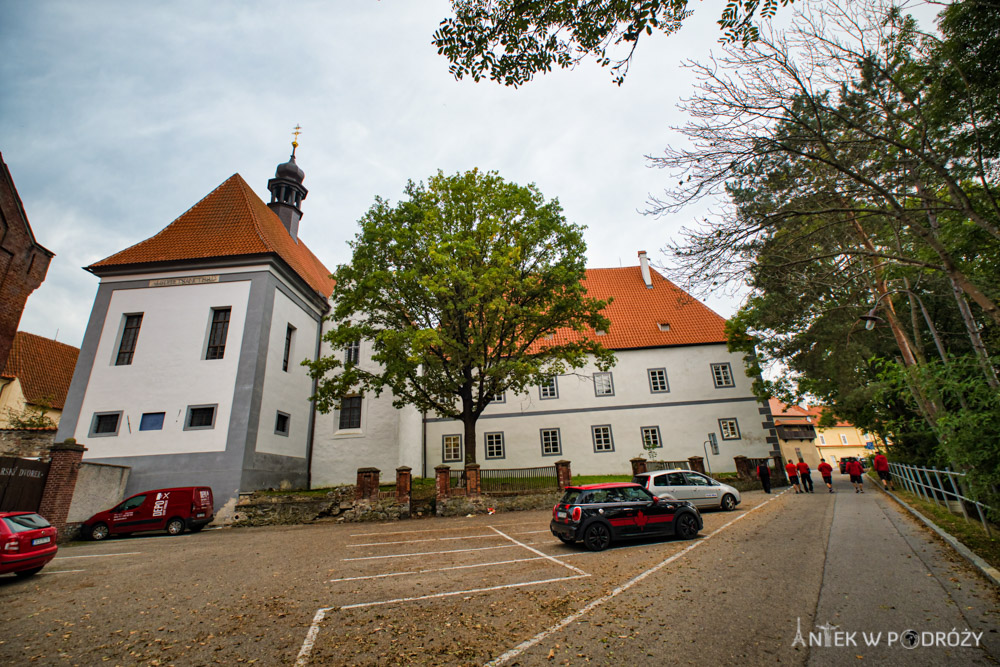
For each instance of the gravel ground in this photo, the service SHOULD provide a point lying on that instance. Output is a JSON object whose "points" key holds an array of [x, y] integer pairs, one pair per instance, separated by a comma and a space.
{"points": [[251, 595]]}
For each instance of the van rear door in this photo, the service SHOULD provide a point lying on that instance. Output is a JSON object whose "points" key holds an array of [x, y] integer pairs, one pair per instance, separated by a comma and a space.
{"points": [[201, 503]]}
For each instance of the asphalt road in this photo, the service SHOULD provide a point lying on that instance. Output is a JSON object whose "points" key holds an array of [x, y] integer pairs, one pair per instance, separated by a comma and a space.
{"points": [[500, 589]]}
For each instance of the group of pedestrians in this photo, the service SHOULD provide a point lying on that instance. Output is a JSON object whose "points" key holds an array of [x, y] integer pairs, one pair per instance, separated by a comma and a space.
{"points": [[800, 475]]}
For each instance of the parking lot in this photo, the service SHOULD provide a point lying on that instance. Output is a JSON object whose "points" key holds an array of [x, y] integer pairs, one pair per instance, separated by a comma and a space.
{"points": [[436, 591]]}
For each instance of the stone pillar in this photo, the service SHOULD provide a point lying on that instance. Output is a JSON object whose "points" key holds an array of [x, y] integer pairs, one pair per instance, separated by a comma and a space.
{"points": [[564, 477], [638, 465], [403, 484], [473, 483], [778, 477], [61, 482], [697, 464], [442, 481], [367, 487], [743, 467]]}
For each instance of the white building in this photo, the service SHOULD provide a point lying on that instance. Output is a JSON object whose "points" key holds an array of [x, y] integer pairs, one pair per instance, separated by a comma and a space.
{"points": [[189, 370]]}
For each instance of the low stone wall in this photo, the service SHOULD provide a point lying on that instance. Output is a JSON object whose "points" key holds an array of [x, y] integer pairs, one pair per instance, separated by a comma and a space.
{"points": [[461, 506], [27, 443]]}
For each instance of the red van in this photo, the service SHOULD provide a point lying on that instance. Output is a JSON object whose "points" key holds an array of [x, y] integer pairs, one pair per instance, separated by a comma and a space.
{"points": [[172, 510]]}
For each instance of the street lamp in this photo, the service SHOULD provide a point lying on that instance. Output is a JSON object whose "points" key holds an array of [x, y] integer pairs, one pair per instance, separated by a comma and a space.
{"points": [[871, 319]]}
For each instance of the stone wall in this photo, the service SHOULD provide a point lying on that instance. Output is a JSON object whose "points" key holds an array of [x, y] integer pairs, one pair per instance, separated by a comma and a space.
{"points": [[27, 443], [461, 506], [99, 487]]}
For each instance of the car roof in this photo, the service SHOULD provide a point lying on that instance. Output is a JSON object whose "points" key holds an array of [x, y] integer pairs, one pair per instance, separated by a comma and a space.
{"points": [[4, 515], [657, 472], [605, 485]]}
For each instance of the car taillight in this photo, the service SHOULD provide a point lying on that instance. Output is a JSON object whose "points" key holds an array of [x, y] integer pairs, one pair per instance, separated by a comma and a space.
{"points": [[13, 545], [555, 510], [577, 513]]}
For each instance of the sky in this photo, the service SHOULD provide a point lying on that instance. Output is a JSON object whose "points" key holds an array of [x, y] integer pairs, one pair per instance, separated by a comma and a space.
{"points": [[117, 117]]}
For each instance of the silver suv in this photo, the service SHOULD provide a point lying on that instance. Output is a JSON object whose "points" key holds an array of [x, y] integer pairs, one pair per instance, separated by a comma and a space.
{"points": [[700, 490]]}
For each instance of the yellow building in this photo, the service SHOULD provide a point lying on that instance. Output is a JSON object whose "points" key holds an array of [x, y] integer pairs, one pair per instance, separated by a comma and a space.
{"points": [[801, 436], [35, 380]]}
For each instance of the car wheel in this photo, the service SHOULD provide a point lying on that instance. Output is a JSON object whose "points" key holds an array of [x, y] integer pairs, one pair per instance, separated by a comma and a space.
{"points": [[686, 526], [728, 502], [99, 531], [175, 526], [29, 573], [597, 537]]}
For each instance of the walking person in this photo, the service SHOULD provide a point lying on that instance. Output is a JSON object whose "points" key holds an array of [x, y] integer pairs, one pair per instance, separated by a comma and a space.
{"points": [[805, 476], [881, 465], [764, 475], [856, 471], [826, 472], [793, 475]]}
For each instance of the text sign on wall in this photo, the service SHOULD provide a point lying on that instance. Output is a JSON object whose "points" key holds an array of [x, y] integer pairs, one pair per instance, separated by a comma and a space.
{"points": [[193, 280]]}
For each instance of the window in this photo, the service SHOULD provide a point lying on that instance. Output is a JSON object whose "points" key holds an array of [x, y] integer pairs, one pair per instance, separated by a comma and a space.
{"points": [[843, 438], [798, 453], [651, 437], [549, 388], [658, 380], [217, 333], [499, 398], [550, 442], [288, 347], [730, 429], [131, 504], [350, 412], [694, 479], [603, 386], [663, 326], [452, 447], [602, 438], [151, 421], [352, 352], [676, 479], [722, 374], [494, 445], [130, 334], [105, 424], [281, 423], [822, 439], [200, 417]]}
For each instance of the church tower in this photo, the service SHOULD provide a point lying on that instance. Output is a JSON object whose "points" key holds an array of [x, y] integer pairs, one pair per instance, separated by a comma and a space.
{"points": [[287, 192]]}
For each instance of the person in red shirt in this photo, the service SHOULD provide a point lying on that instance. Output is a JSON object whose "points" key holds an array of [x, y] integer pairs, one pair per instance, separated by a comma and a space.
{"points": [[881, 465], [805, 476], [793, 475], [826, 472], [856, 471]]}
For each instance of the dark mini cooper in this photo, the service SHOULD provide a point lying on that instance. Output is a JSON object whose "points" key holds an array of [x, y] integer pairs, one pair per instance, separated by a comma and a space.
{"points": [[596, 514]]}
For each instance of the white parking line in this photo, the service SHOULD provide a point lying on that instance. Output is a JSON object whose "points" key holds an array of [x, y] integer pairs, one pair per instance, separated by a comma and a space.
{"points": [[61, 571], [456, 567], [430, 530], [130, 553], [430, 553], [427, 539], [536, 551], [524, 646]]}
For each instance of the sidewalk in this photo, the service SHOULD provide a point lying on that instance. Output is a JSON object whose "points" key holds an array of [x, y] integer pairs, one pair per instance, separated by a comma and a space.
{"points": [[886, 574]]}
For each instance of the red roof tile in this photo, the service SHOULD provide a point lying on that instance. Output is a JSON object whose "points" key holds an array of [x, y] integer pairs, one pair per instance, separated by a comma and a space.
{"points": [[799, 413], [231, 221], [43, 366], [637, 312]]}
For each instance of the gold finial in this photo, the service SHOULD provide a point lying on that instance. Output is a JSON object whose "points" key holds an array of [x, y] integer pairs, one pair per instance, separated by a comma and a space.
{"points": [[295, 133]]}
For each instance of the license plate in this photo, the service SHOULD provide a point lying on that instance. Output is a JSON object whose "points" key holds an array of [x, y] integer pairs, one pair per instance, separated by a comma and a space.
{"points": [[561, 515], [199, 516], [40, 540]]}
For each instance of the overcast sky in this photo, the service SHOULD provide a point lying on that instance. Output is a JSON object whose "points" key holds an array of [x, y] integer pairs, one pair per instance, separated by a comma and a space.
{"points": [[116, 117]]}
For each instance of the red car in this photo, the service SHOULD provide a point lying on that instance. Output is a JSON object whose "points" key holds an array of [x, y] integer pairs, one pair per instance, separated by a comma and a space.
{"points": [[27, 543], [172, 510]]}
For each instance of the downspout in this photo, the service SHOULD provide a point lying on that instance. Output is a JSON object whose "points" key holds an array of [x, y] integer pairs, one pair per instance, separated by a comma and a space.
{"points": [[312, 412]]}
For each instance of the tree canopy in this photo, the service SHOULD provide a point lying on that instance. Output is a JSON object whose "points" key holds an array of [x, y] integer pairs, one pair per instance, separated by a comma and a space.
{"points": [[511, 41], [460, 288]]}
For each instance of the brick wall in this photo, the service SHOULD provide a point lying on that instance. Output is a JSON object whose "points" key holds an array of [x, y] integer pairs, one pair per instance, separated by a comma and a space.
{"points": [[61, 482]]}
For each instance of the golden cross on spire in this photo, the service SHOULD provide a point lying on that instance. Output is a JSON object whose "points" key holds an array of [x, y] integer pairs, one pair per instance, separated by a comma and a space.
{"points": [[296, 132]]}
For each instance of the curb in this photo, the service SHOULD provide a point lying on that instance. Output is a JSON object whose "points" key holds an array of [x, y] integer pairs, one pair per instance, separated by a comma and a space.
{"points": [[988, 571]]}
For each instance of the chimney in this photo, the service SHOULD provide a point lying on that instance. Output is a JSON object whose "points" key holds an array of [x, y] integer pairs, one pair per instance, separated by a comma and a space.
{"points": [[644, 268]]}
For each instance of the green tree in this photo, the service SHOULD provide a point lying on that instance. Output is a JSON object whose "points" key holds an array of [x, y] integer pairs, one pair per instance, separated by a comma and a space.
{"points": [[512, 40], [32, 415], [468, 288]]}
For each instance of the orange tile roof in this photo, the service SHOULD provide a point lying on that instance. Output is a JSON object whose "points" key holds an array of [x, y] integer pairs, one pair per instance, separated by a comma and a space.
{"points": [[231, 221], [43, 366], [637, 312], [799, 413]]}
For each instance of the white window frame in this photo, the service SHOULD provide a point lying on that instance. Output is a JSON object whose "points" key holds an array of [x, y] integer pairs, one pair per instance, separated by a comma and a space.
{"points": [[722, 375], [729, 427], [451, 441], [822, 439], [604, 384], [653, 431], [650, 372], [554, 451], [549, 390], [495, 440], [843, 439], [602, 438]]}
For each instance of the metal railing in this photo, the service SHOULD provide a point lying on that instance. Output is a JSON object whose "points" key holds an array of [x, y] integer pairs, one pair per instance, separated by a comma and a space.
{"points": [[518, 480], [932, 484], [653, 466]]}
